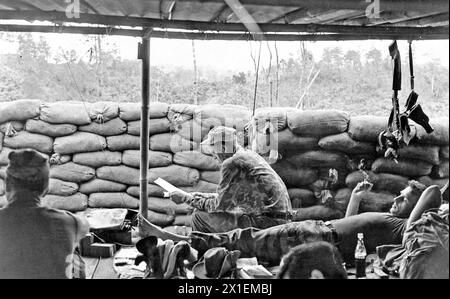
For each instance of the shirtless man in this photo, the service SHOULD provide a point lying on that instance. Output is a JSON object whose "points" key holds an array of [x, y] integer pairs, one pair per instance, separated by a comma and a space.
{"points": [[269, 245]]}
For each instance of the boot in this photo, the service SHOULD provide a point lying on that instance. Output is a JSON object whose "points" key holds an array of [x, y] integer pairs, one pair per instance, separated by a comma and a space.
{"points": [[411, 101], [421, 118]]}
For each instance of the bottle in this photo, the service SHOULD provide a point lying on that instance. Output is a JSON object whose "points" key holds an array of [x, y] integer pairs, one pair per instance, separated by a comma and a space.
{"points": [[360, 257]]}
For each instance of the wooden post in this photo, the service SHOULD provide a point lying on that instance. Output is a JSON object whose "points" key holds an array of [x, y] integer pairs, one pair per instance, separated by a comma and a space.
{"points": [[144, 55]]}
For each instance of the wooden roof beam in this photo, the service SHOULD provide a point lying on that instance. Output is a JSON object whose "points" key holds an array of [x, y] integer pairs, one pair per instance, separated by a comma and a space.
{"points": [[58, 17], [212, 36], [223, 14], [433, 20]]}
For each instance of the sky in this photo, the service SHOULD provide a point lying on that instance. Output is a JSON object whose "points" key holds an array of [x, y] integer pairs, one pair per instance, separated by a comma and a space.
{"points": [[231, 56]]}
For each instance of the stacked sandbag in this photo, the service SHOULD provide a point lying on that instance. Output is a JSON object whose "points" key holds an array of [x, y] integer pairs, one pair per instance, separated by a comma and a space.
{"points": [[232, 116], [94, 152]]}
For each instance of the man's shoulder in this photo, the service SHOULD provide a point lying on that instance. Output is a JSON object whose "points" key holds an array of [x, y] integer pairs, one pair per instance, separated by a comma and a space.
{"points": [[59, 214], [241, 157]]}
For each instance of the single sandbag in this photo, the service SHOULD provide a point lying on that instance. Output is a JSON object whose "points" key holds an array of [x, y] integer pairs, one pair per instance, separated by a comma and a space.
{"points": [[443, 153], [155, 159], [211, 176], [383, 182], [113, 201], [74, 203], [98, 159], [440, 135], [429, 154], [323, 159], [25, 140], [277, 116], [202, 187], [162, 205], [180, 113], [156, 126], [102, 112], [288, 141], [427, 181], [410, 168], [61, 188], [341, 199], [191, 130], [113, 127], [302, 198], [160, 219], [132, 111], [120, 174], [171, 143], [294, 175], [344, 143], [76, 113], [183, 220], [318, 122], [72, 172], [440, 171], [19, 110], [79, 142], [152, 190], [214, 115], [52, 130], [370, 201], [101, 186], [123, 142], [367, 127], [179, 176], [196, 160]]}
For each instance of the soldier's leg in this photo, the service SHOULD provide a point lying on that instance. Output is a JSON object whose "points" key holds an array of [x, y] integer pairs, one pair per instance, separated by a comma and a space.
{"points": [[268, 245], [218, 222]]}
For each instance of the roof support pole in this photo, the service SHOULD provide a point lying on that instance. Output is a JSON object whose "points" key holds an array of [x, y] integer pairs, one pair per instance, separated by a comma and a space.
{"points": [[144, 55]]}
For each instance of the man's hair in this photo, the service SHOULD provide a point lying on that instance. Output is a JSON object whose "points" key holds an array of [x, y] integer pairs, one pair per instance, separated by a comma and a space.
{"points": [[12, 183], [303, 259], [417, 187]]}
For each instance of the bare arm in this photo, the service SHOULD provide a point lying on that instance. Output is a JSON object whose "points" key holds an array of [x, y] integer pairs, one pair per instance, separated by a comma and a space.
{"points": [[355, 198], [431, 198]]}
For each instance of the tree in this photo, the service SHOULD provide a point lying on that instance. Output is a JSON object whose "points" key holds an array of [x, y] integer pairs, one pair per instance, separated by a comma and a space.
{"points": [[374, 57], [353, 59], [240, 79]]}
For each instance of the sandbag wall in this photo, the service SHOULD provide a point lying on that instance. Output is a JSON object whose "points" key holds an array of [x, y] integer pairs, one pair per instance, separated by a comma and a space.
{"points": [[94, 153]]}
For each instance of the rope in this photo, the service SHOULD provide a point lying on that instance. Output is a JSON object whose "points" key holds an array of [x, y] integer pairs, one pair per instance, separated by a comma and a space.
{"points": [[257, 79]]}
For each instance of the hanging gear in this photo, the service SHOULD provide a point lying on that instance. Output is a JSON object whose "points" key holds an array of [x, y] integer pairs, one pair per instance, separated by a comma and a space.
{"points": [[389, 140], [400, 132], [413, 110]]}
